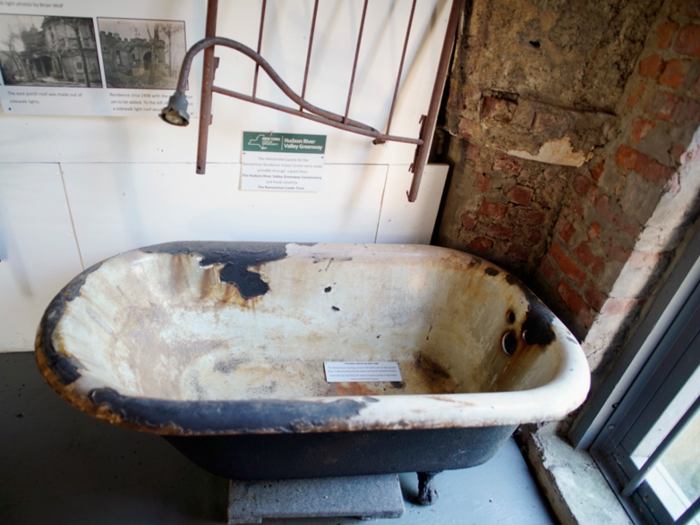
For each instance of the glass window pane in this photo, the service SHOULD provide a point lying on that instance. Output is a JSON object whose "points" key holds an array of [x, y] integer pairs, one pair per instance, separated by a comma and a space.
{"points": [[682, 460], [676, 477]]}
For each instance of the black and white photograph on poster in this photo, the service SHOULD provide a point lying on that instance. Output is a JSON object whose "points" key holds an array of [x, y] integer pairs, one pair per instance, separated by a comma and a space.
{"points": [[142, 54], [48, 51], [96, 57]]}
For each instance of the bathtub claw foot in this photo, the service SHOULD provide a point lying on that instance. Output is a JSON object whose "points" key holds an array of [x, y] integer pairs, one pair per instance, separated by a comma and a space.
{"points": [[427, 493]]}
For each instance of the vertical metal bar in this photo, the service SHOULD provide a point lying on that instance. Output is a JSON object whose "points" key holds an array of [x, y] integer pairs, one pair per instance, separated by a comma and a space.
{"points": [[428, 130], [690, 514], [207, 82], [663, 447], [403, 57], [308, 54], [260, 37], [354, 65]]}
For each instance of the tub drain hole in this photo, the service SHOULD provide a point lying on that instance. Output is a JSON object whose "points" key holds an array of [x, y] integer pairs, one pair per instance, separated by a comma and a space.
{"points": [[509, 343]]}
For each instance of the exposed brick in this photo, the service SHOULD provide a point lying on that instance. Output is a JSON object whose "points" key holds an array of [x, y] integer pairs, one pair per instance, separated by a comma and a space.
{"points": [[671, 108], [631, 228], [577, 208], [500, 231], [567, 265], [508, 164], [518, 252], [495, 210], [533, 238], [564, 229], [614, 306], [642, 162], [574, 303], [618, 253], [626, 157], [498, 109], [677, 150], [674, 73], [520, 195], [594, 231], [455, 101], [640, 128], [471, 152], [602, 206], [483, 182], [651, 66], [468, 128], [655, 172], [598, 171], [582, 185], [469, 221], [588, 258], [664, 105], [665, 32], [529, 217], [688, 41], [546, 120], [546, 267], [480, 245], [594, 297], [690, 8], [696, 86], [634, 97]]}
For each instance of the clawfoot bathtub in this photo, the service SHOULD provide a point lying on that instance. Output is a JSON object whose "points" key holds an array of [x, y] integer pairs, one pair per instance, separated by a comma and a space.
{"points": [[220, 348]]}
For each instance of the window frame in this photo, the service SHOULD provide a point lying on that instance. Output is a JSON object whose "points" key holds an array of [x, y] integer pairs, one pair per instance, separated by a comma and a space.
{"points": [[651, 370]]}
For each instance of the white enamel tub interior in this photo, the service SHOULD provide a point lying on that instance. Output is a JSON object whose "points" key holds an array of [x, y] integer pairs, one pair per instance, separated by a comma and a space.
{"points": [[207, 326]]}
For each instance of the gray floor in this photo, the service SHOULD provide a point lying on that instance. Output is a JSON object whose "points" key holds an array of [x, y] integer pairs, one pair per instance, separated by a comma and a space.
{"points": [[59, 466]]}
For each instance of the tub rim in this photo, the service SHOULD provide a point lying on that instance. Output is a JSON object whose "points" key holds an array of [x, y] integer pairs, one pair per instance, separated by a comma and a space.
{"points": [[562, 394]]}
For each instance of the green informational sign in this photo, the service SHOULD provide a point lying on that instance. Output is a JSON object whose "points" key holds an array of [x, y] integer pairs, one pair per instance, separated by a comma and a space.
{"points": [[284, 143], [282, 162]]}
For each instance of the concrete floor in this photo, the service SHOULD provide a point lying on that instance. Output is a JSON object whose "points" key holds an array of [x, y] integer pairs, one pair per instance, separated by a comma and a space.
{"points": [[59, 466]]}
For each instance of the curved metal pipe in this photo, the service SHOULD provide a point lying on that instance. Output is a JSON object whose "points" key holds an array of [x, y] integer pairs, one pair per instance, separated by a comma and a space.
{"points": [[258, 59]]}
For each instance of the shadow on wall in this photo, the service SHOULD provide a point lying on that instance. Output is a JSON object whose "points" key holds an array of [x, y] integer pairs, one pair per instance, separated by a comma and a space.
{"points": [[10, 254]]}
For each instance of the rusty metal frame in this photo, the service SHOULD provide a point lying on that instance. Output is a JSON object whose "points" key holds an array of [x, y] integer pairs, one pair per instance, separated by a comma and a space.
{"points": [[306, 110]]}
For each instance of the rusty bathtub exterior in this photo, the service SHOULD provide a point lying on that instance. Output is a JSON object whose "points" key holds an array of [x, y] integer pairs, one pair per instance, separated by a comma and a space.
{"points": [[219, 347]]}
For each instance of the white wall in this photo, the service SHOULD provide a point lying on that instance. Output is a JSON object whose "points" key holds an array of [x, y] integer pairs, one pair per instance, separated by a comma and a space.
{"points": [[75, 190]]}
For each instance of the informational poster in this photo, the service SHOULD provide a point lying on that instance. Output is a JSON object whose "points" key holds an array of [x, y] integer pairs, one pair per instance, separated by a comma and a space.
{"points": [[94, 57], [282, 162]]}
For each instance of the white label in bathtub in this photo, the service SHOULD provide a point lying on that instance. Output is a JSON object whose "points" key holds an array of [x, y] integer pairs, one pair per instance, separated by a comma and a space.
{"points": [[361, 372], [282, 162]]}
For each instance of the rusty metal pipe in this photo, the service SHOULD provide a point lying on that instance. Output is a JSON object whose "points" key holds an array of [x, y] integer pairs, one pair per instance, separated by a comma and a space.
{"points": [[354, 65], [403, 58], [207, 83], [265, 65], [310, 116], [308, 54], [260, 38], [428, 129]]}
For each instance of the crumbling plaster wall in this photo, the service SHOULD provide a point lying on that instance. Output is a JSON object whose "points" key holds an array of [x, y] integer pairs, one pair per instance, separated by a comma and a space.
{"points": [[565, 124]]}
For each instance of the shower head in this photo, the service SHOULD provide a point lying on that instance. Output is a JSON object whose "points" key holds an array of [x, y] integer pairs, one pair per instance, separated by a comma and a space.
{"points": [[176, 111]]}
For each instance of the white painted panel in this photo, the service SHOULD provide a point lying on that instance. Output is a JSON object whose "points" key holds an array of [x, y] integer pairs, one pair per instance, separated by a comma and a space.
{"points": [[411, 222], [147, 139], [37, 249], [118, 207]]}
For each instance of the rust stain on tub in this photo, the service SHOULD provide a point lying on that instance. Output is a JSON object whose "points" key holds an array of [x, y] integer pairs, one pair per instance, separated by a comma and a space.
{"points": [[431, 367], [451, 400], [350, 389]]}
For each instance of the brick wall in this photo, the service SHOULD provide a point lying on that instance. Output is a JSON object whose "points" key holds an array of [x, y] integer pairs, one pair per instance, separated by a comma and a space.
{"points": [[579, 233]]}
